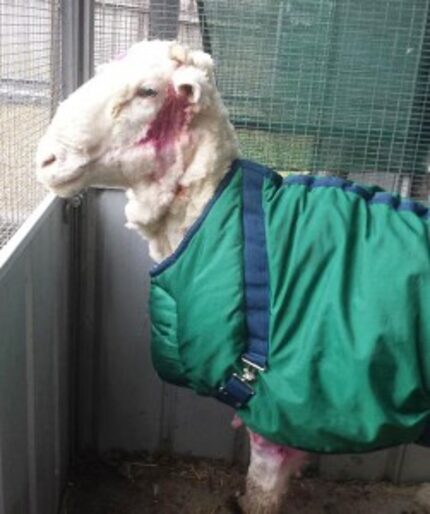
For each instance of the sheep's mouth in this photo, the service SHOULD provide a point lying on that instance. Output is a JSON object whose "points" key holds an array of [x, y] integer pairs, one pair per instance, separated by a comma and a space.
{"points": [[59, 184]]}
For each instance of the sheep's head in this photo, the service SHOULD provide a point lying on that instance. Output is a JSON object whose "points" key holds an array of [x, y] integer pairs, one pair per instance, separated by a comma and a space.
{"points": [[121, 125]]}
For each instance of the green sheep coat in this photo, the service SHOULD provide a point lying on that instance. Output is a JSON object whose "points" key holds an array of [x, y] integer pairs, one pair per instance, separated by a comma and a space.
{"points": [[325, 285]]}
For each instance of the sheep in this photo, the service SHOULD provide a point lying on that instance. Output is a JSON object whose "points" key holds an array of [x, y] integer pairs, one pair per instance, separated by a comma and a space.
{"points": [[153, 123]]}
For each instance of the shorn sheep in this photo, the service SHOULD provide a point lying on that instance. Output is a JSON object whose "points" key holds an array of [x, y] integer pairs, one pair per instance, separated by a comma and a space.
{"points": [[300, 302]]}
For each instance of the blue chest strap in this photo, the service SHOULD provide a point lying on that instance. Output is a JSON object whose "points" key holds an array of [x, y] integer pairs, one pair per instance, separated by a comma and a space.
{"points": [[238, 390]]}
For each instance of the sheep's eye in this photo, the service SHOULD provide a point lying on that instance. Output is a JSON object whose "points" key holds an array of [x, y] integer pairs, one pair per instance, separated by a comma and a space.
{"points": [[146, 92]]}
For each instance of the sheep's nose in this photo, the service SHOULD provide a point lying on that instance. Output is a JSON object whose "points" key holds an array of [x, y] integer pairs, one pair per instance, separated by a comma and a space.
{"points": [[49, 160]]}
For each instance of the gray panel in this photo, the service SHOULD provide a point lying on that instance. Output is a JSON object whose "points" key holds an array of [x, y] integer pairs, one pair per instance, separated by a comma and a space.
{"points": [[415, 465], [137, 412], [13, 393], [380, 465], [128, 394], [202, 426], [34, 369], [49, 274]]}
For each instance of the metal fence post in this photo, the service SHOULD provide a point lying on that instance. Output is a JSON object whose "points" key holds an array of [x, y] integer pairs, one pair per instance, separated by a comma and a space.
{"points": [[55, 55], [86, 40], [77, 55], [77, 66]]}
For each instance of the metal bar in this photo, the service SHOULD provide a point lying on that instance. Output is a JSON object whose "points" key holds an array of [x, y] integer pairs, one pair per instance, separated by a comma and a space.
{"points": [[328, 82], [77, 43], [142, 16], [86, 40], [55, 56], [418, 115], [204, 27], [122, 7], [77, 20], [85, 275], [69, 53], [83, 270]]}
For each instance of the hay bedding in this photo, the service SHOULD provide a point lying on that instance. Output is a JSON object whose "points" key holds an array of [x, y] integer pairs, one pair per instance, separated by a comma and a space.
{"points": [[167, 485]]}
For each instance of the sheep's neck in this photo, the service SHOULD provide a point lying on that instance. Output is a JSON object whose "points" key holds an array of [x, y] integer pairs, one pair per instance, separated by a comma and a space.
{"points": [[184, 180]]}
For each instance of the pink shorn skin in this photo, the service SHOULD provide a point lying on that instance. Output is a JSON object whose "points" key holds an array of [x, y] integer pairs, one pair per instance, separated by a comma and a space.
{"points": [[166, 129], [270, 469], [169, 122], [273, 449]]}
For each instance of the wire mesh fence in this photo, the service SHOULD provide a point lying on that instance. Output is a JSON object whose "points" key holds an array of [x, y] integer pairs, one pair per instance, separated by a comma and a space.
{"points": [[29, 88], [325, 86], [338, 87], [119, 24]]}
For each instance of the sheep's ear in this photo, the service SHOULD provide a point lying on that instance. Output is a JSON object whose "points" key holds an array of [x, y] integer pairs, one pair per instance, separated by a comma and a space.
{"points": [[189, 83], [191, 91]]}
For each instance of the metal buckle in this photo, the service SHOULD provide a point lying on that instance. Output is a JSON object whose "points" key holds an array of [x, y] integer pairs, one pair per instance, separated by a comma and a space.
{"points": [[249, 371]]}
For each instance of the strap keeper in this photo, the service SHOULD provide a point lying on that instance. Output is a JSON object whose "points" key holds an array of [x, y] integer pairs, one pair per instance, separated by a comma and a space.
{"points": [[251, 364], [238, 390]]}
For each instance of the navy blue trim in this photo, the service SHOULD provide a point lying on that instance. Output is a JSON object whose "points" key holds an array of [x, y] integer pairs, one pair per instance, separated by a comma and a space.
{"points": [[374, 195], [366, 194], [264, 171], [385, 199], [166, 263], [300, 180], [257, 287], [331, 182], [418, 208]]}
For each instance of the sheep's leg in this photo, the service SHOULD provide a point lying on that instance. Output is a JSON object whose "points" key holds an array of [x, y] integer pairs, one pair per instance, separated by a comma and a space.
{"points": [[270, 468]]}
